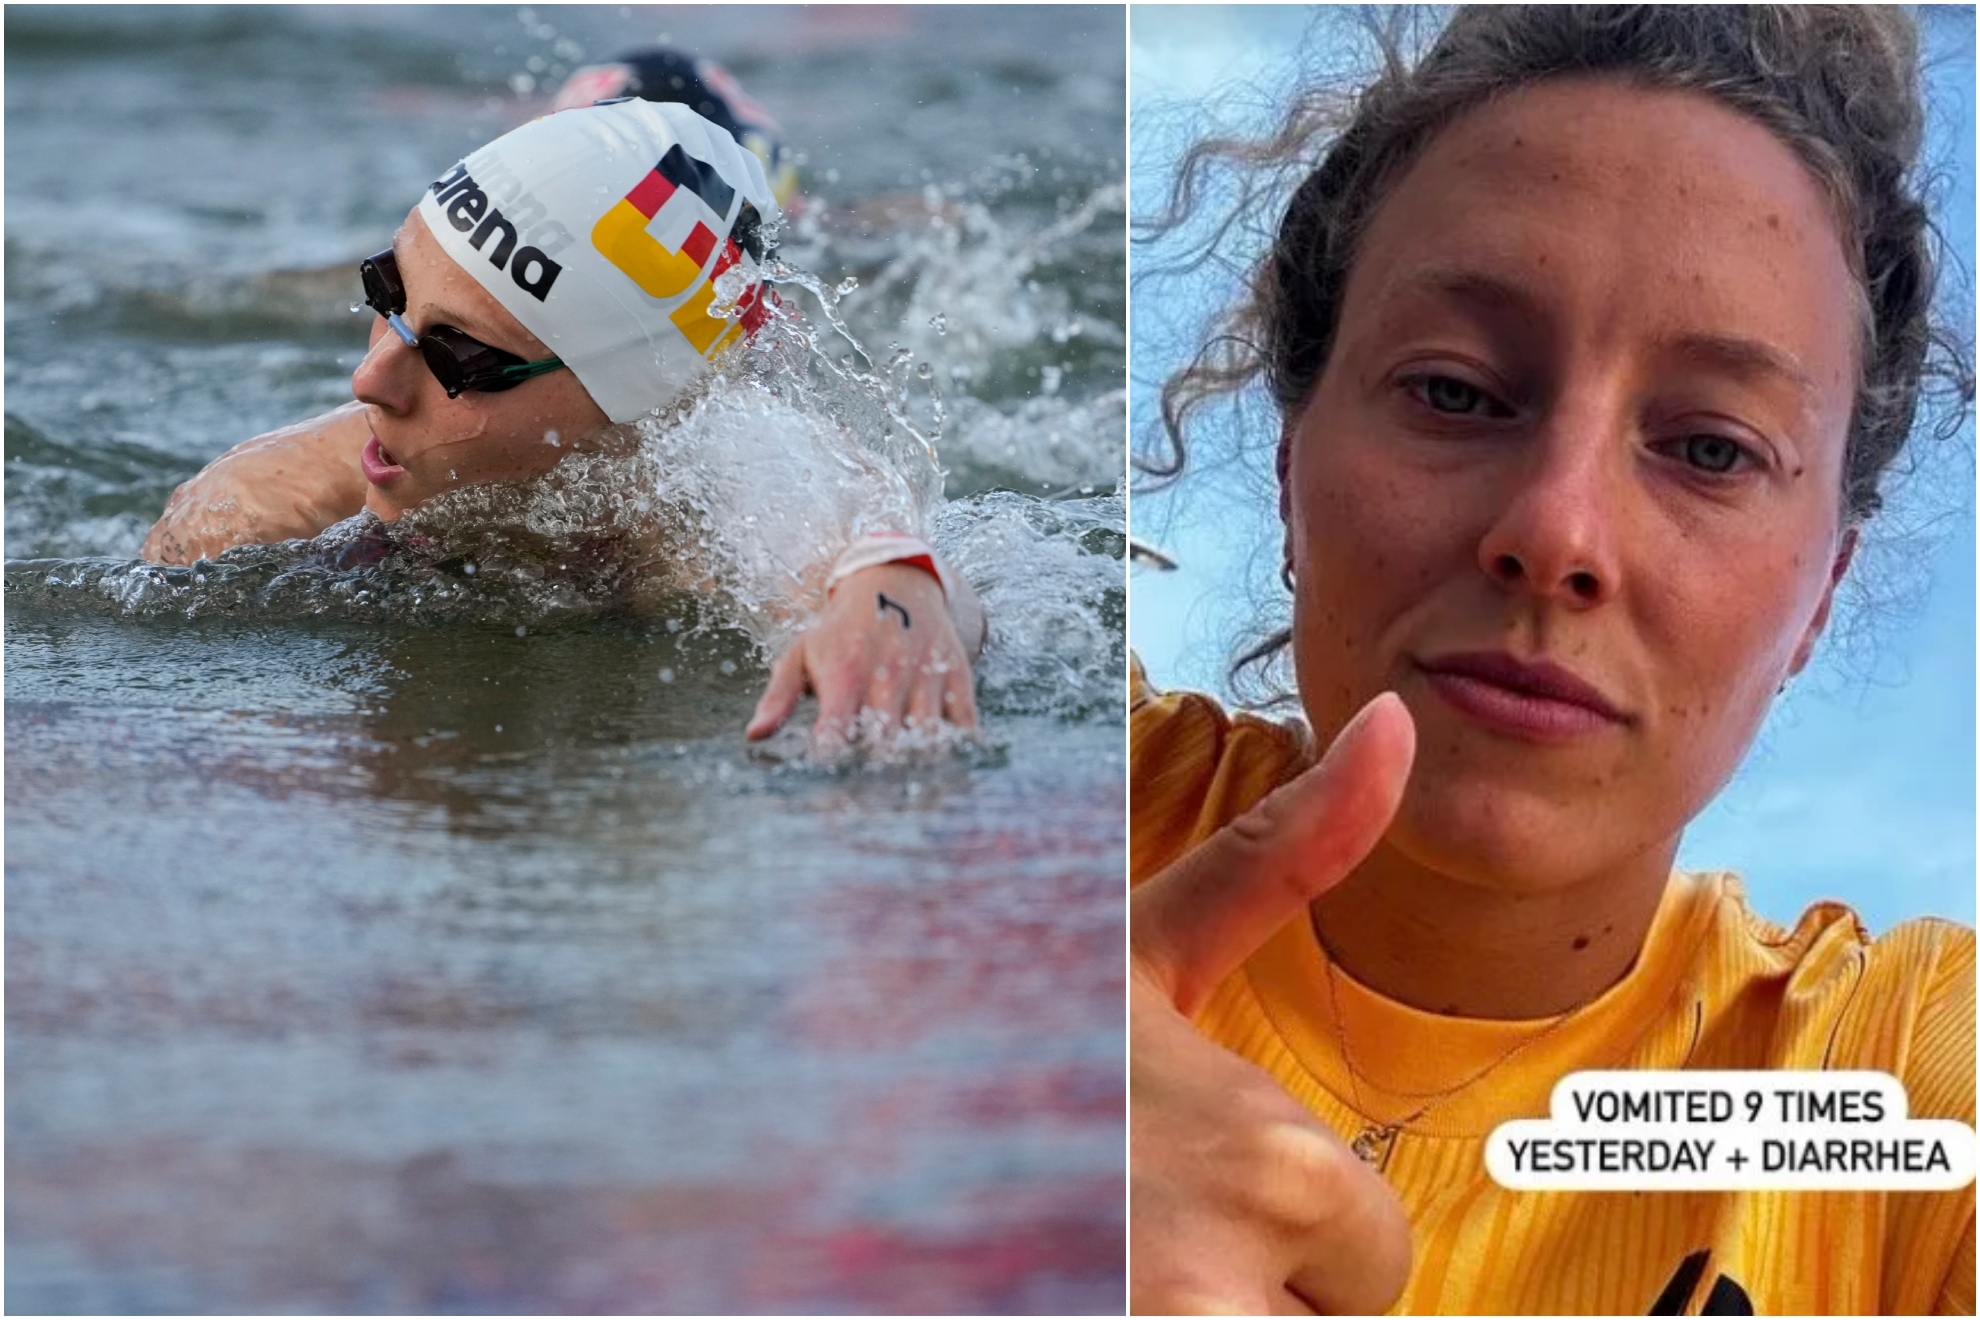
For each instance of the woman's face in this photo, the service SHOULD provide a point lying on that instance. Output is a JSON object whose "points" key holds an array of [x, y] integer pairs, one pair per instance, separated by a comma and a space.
{"points": [[429, 443], [1569, 481]]}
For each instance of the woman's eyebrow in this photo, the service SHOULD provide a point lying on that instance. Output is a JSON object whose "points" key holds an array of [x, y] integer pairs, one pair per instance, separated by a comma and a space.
{"points": [[1738, 355], [1741, 356], [1474, 291], [1487, 291]]}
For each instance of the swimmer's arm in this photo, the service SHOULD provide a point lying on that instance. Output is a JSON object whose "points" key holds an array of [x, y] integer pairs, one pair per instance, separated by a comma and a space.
{"points": [[959, 602], [886, 647], [286, 484]]}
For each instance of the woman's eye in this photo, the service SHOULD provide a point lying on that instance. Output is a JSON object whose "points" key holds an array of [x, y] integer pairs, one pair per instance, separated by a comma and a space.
{"points": [[1712, 453], [1456, 398]]}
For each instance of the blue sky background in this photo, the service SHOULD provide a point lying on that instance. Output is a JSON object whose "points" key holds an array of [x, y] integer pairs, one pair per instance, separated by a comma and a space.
{"points": [[1861, 785]]}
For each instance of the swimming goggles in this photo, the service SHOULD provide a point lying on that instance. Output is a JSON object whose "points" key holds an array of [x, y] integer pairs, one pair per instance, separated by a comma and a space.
{"points": [[457, 360]]}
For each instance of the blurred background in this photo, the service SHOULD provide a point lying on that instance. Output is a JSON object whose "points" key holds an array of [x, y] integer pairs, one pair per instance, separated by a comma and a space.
{"points": [[386, 941], [1861, 784]]}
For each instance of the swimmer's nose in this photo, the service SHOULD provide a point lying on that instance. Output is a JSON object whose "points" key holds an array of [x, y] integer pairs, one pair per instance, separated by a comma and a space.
{"points": [[387, 378]]}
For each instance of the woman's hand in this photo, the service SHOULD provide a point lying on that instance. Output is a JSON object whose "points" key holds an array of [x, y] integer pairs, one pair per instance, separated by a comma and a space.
{"points": [[1241, 1202], [885, 643], [289, 483]]}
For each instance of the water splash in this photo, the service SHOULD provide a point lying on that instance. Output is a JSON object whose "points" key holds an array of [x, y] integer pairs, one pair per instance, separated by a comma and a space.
{"points": [[1049, 573], [989, 303]]}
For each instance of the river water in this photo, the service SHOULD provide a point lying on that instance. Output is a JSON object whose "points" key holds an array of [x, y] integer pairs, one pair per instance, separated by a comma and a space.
{"points": [[387, 940]]}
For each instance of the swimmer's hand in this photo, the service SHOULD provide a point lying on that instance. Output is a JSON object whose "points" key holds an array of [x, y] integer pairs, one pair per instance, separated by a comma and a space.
{"points": [[1241, 1202], [276, 487], [886, 643]]}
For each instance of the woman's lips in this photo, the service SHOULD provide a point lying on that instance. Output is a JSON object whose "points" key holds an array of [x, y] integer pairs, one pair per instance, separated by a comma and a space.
{"points": [[1537, 702], [378, 465]]}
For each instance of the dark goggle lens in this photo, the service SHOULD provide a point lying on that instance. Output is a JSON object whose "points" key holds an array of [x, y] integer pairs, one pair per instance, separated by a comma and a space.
{"points": [[461, 362], [457, 360], [383, 291]]}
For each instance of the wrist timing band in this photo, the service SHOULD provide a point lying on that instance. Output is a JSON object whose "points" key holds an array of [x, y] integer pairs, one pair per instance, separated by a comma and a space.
{"points": [[876, 548]]}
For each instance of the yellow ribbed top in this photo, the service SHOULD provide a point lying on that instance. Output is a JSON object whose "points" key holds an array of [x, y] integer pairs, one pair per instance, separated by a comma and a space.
{"points": [[1714, 987]]}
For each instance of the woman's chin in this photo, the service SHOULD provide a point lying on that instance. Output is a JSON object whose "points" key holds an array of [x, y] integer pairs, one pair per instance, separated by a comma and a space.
{"points": [[388, 509], [1502, 837]]}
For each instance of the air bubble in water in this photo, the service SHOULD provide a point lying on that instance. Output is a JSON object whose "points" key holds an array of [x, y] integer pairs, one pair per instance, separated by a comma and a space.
{"points": [[666, 676], [357, 307], [453, 475], [728, 666], [468, 569], [521, 631], [552, 438], [673, 625], [926, 371], [939, 323], [848, 284]]}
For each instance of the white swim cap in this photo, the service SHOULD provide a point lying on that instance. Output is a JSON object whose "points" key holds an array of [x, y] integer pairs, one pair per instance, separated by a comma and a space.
{"points": [[603, 230]]}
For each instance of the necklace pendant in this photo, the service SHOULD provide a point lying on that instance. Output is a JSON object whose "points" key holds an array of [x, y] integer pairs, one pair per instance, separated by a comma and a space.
{"points": [[1372, 1145]]}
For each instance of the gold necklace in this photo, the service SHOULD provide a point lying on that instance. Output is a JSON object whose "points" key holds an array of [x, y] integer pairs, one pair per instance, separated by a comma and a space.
{"points": [[1376, 1141]]}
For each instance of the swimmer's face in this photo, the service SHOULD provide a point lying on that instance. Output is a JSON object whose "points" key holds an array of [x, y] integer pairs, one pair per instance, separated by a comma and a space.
{"points": [[429, 443], [1586, 410]]}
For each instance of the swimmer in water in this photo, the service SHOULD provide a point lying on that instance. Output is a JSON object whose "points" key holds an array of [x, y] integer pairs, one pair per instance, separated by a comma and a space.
{"points": [[557, 282], [661, 73]]}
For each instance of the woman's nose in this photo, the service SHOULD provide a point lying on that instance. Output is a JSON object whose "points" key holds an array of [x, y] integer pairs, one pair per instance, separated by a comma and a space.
{"points": [[387, 378], [1556, 536]]}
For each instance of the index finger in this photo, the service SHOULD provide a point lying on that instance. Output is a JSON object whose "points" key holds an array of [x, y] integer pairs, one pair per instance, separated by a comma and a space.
{"points": [[1196, 922]]}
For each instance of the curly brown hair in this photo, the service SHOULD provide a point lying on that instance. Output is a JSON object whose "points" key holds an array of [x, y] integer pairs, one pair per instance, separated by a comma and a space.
{"points": [[1837, 84]]}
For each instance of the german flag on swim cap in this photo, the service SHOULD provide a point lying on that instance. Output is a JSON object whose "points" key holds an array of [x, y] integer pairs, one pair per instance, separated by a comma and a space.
{"points": [[603, 230]]}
